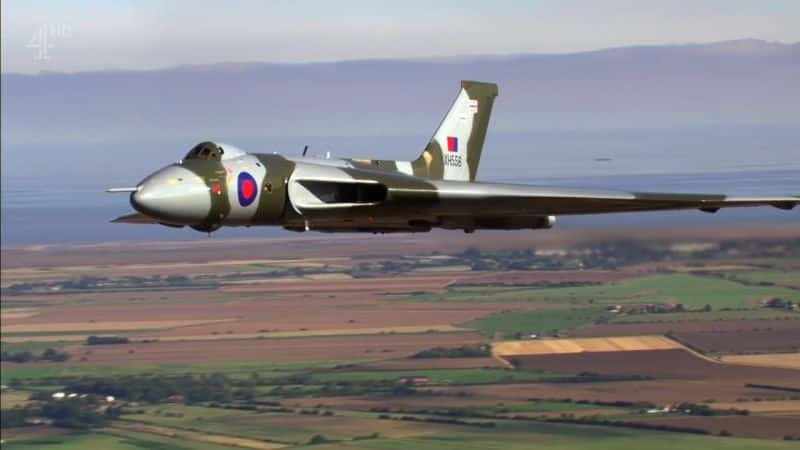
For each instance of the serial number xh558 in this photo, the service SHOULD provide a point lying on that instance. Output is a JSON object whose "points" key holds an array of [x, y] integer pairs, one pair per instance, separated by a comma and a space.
{"points": [[218, 185]]}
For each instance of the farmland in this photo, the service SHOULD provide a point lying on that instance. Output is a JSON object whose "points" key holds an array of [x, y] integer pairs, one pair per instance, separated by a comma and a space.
{"points": [[659, 364], [582, 337]]}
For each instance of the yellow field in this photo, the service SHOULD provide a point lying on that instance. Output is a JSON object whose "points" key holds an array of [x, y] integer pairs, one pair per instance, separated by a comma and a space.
{"points": [[329, 276], [562, 346], [783, 360], [10, 399]]}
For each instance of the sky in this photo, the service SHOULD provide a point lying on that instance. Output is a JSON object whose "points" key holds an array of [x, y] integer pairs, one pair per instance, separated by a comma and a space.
{"points": [[91, 35]]}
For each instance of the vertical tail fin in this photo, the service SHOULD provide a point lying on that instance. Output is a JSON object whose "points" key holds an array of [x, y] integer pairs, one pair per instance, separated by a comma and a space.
{"points": [[454, 151]]}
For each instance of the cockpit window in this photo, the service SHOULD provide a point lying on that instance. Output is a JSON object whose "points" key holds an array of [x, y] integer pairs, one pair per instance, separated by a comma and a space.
{"points": [[205, 151]]}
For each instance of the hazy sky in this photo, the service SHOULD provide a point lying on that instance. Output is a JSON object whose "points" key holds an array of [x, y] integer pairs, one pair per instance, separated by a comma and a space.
{"points": [[97, 35]]}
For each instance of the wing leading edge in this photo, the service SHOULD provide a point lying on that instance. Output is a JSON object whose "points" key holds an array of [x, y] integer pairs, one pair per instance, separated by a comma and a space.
{"points": [[134, 218]]}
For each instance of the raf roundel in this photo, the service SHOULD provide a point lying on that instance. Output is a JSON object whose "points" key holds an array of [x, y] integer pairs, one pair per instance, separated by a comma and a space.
{"points": [[247, 189]]}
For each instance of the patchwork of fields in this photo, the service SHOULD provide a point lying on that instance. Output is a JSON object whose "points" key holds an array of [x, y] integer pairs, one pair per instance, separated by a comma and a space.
{"points": [[402, 346]]}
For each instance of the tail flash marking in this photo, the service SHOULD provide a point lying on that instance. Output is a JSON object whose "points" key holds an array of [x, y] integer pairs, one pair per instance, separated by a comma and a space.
{"points": [[452, 144], [454, 151]]}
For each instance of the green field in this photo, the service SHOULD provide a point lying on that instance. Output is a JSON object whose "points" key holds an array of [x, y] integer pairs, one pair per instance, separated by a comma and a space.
{"points": [[537, 407], [236, 370], [558, 438], [177, 414], [344, 428], [272, 427], [265, 427], [692, 291], [320, 372], [536, 321], [771, 276], [210, 420], [109, 439], [506, 435], [584, 305], [437, 376]]}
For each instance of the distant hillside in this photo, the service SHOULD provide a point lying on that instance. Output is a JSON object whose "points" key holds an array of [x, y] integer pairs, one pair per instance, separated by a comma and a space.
{"points": [[726, 83]]}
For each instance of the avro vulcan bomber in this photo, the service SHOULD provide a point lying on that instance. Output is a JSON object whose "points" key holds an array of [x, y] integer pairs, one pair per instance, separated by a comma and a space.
{"points": [[217, 185]]}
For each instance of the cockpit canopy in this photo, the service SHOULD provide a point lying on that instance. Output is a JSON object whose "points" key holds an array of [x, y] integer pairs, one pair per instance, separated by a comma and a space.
{"points": [[205, 150], [213, 151]]}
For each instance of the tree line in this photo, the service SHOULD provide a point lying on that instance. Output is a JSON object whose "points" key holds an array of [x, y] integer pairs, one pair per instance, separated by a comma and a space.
{"points": [[50, 354], [215, 387], [464, 351], [77, 413]]}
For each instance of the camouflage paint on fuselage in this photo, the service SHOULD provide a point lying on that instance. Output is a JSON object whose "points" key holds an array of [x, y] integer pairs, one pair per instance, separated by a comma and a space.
{"points": [[219, 185], [472, 108], [210, 170], [273, 199]]}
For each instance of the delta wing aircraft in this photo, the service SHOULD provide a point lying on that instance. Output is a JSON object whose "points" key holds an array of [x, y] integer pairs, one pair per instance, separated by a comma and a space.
{"points": [[218, 185]]}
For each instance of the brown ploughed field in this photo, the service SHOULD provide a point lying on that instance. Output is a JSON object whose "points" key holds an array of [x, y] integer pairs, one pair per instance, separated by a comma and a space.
{"points": [[687, 327], [660, 392], [776, 407], [232, 315], [660, 364], [785, 360], [268, 350], [769, 427], [531, 277], [764, 340]]}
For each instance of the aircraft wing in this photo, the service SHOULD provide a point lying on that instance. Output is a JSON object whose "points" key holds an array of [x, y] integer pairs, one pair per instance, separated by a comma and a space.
{"points": [[508, 199], [140, 218], [365, 200], [134, 218]]}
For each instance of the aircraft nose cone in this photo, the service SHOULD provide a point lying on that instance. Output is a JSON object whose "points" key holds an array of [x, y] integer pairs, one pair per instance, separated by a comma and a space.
{"points": [[173, 195]]}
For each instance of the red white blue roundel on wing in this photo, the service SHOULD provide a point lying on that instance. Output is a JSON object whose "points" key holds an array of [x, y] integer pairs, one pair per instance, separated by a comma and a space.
{"points": [[247, 189]]}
